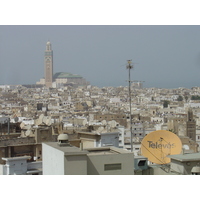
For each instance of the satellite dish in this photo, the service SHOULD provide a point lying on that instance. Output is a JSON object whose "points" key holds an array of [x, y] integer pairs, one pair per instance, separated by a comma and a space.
{"points": [[28, 132], [186, 147], [48, 121], [44, 119], [22, 125], [36, 122], [157, 145], [113, 124], [84, 122], [16, 119], [40, 119], [28, 127], [104, 122], [100, 129], [136, 139], [41, 116]]}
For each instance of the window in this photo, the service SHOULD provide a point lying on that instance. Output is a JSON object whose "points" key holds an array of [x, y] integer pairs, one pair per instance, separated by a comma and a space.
{"points": [[115, 166], [142, 163]]}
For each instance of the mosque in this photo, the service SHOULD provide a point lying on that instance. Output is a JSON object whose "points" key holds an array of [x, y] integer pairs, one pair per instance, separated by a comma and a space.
{"points": [[60, 78]]}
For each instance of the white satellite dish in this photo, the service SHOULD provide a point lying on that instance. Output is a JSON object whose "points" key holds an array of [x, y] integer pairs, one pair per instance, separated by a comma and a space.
{"points": [[113, 124], [136, 139], [44, 119], [28, 127], [48, 121], [84, 122], [100, 129], [104, 122], [186, 147], [22, 125], [36, 122], [40, 119], [28, 132], [41, 116]]}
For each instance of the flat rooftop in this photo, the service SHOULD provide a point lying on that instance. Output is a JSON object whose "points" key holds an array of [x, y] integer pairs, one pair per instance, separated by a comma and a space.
{"points": [[72, 150], [186, 157], [106, 150], [67, 150]]}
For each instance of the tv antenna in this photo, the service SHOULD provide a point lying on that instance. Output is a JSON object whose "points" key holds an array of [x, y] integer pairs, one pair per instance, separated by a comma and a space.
{"points": [[129, 66]]}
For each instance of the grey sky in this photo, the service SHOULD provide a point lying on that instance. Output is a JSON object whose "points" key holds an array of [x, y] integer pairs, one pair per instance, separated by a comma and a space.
{"points": [[166, 56]]}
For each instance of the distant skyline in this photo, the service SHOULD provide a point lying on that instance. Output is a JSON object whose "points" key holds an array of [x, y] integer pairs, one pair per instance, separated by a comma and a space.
{"points": [[165, 56]]}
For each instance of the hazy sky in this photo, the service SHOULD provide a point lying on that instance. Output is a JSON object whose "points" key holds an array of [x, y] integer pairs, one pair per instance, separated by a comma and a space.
{"points": [[165, 56]]}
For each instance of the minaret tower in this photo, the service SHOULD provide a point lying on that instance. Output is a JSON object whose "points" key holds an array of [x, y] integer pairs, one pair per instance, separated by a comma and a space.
{"points": [[48, 65], [191, 125]]}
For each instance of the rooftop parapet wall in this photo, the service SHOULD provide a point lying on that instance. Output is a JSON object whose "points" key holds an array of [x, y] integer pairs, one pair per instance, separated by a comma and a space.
{"points": [[17, 141]]}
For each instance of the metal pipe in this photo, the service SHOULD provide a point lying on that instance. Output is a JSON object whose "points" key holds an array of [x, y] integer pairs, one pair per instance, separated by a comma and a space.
{"points": [[8, 126]]}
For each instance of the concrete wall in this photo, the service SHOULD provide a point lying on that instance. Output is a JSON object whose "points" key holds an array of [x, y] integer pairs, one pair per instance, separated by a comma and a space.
{"points": [[183, 167], [153, 171], [87, 143], [53, 161], [16, 141], [159, 171], [148, 171], [34, 165], [76, 165], [16, 167], [3, 153], [121, 136], [2, 169], [44, 135], [108, 139], [96, 164]]}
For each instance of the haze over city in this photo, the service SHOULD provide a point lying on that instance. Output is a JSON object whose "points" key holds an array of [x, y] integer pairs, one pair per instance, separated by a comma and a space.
{"points": [[94, 39], [164, 56]]}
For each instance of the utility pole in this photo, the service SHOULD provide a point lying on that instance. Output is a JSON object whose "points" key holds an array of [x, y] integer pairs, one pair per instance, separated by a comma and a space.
{"points": [[129, 67]]}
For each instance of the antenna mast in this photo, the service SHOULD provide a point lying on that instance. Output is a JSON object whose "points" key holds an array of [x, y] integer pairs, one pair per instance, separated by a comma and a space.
{"points": [[129, 67]]}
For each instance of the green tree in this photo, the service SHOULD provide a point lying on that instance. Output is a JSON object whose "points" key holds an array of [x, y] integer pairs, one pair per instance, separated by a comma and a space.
{"points": [[180, 98], [165, 103], [186, 97], [195, 97]]}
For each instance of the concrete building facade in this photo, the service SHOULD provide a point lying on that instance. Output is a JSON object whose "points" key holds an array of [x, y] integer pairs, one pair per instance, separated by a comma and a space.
{"points": [[110, 161], [20, 166], [184, 163], [60, 158], [63, 160]]}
